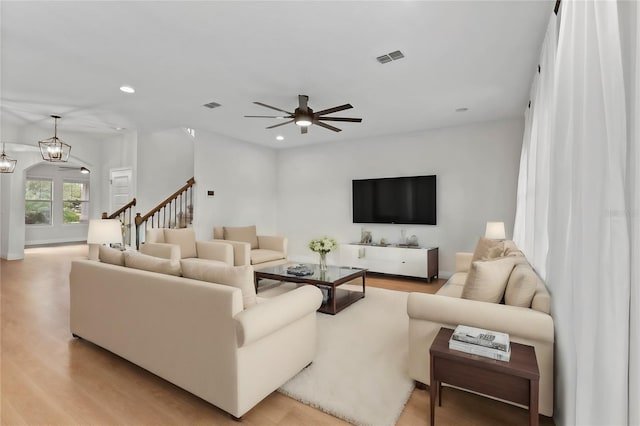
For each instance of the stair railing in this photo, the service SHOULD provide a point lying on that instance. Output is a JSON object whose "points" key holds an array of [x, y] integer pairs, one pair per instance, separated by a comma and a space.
{"points": [[124, 214], [176, 211]]}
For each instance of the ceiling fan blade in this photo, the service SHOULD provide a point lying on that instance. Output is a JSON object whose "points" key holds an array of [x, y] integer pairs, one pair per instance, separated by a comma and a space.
{"points": [[266, 116], [280, 124], [334, 109], [304, 130], [326, 126], [351, 120], [302, 101], [272, 107]]}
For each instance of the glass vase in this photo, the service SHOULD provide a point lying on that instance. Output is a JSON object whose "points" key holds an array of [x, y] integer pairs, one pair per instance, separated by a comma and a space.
{"points": [[323, 261]]}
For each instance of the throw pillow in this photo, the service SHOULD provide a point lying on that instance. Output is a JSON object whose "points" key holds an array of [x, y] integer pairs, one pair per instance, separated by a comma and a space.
{"points": [[235, 276], [488, 249], [487, 280], [185, 238], [151, 263], [521, 286], [242, 233], [510, 249], [111, 255]]}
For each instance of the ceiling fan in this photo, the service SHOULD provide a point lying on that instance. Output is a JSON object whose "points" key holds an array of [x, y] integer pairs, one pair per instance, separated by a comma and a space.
{"points": [[304, 116]]}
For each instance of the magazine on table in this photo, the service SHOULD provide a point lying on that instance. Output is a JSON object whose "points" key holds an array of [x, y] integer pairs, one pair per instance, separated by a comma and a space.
{"points": [[299, 270], [483, 351], [486, 338]]}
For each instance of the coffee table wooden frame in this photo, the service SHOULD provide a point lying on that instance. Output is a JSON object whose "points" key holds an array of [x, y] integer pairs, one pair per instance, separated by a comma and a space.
{"points": [[516, 380], [338, 298]]}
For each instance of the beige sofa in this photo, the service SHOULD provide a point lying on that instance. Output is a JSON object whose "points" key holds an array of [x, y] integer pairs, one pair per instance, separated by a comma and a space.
{"points": [[251, 249], [530, 323], [196, 334]]}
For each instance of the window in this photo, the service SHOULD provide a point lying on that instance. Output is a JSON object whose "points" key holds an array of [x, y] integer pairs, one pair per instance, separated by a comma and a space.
{"points": [[37, 206], [75, 202]]}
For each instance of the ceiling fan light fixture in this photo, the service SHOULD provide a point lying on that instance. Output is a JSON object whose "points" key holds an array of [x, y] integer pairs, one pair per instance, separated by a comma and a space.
{"points": [[7, 165], [127, 89], [54, 149], [303, 121]]}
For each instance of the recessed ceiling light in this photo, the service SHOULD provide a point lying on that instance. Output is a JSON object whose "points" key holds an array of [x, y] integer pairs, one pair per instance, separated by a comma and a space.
{"points": [[127, 89], [118, 128], [280, 137], [463, 109]]}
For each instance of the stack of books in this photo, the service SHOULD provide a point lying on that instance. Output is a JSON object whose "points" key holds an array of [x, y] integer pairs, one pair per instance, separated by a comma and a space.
{"points": [[486, 343]]}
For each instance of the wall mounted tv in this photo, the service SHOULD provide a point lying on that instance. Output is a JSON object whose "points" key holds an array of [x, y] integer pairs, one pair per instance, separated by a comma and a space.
{"points": [[402, 200]]}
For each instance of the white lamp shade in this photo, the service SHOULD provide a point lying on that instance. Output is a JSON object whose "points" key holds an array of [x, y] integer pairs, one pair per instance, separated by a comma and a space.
{"points": [[104, 231], [495, 231]]}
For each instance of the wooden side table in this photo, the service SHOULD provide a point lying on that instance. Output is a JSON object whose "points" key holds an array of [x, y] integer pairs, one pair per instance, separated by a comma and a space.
{"points": [[516, 380]]}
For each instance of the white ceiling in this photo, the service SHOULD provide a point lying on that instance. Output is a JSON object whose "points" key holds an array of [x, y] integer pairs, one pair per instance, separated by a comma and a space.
{"points": [[69, 58]]}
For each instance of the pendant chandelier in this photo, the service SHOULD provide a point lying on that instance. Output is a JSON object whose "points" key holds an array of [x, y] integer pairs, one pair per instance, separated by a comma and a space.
{"points": [[54, 149], [7, 165]]}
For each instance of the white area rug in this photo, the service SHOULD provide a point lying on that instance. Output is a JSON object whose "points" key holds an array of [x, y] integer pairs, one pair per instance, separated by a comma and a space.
{"points": [[360, 371]]}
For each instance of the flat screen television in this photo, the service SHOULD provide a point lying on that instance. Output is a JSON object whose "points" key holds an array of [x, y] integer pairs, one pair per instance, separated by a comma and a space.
{"points": [[402, 200]]}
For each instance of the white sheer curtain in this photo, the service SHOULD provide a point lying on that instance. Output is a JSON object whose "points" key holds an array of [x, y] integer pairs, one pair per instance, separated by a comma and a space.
{"points": [[634, 195], [592, 191], [533, 179]]}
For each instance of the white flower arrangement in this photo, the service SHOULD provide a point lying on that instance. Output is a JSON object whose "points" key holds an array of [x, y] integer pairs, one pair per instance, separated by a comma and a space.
{"points": [[323, 245]]}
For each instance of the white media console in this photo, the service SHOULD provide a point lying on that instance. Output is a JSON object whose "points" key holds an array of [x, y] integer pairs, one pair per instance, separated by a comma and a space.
{"points": [[394, 260]]}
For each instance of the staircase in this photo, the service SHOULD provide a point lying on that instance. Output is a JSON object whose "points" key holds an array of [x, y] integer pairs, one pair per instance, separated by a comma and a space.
{"points": [[176, 211], [124, 214]]}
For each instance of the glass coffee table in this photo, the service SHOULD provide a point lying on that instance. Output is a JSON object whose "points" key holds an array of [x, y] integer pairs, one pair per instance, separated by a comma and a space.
{"points": [[334, 299]]}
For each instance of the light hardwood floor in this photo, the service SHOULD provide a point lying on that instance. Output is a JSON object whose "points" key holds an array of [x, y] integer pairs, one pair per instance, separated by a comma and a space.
{"points": [[48, 377]]}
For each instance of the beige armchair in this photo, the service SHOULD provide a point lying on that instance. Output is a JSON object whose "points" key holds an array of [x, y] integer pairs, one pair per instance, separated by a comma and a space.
{"points": [[252, 249], [181, 244]]}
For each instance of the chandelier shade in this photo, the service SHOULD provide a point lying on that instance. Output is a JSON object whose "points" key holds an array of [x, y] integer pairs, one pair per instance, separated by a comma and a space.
{"points": [[55, 149], [7, 165]]}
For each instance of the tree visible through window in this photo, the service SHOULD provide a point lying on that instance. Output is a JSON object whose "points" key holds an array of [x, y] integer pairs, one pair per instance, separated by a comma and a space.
{"points": [[37, 206], [75, 202]]}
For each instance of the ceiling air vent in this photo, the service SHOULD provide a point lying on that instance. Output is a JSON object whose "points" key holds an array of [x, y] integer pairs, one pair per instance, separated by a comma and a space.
{"points": [[393, 56], [211, 105]]}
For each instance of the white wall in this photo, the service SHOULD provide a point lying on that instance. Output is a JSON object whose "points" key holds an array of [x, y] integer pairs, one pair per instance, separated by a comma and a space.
{"points": [[243, 177], [164, 164], [476, 168]]}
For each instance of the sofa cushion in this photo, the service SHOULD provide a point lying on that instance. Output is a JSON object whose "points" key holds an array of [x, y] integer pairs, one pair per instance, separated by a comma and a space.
{"points": [[185, 238], [521, 286], [488, 249], [111, 255], [454, 286], [151, 263], [235, 276], [242, 233], [202, 262], [486, 280], [154, 235], [263, 255]]}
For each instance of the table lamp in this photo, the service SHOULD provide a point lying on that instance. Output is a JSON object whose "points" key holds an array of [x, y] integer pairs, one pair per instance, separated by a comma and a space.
{"points": [[495, 231], [103, 231]]}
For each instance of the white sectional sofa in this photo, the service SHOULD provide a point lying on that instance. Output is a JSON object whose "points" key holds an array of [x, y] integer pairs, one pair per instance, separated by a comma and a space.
{"points": [[196, 334], [527, 320]]}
